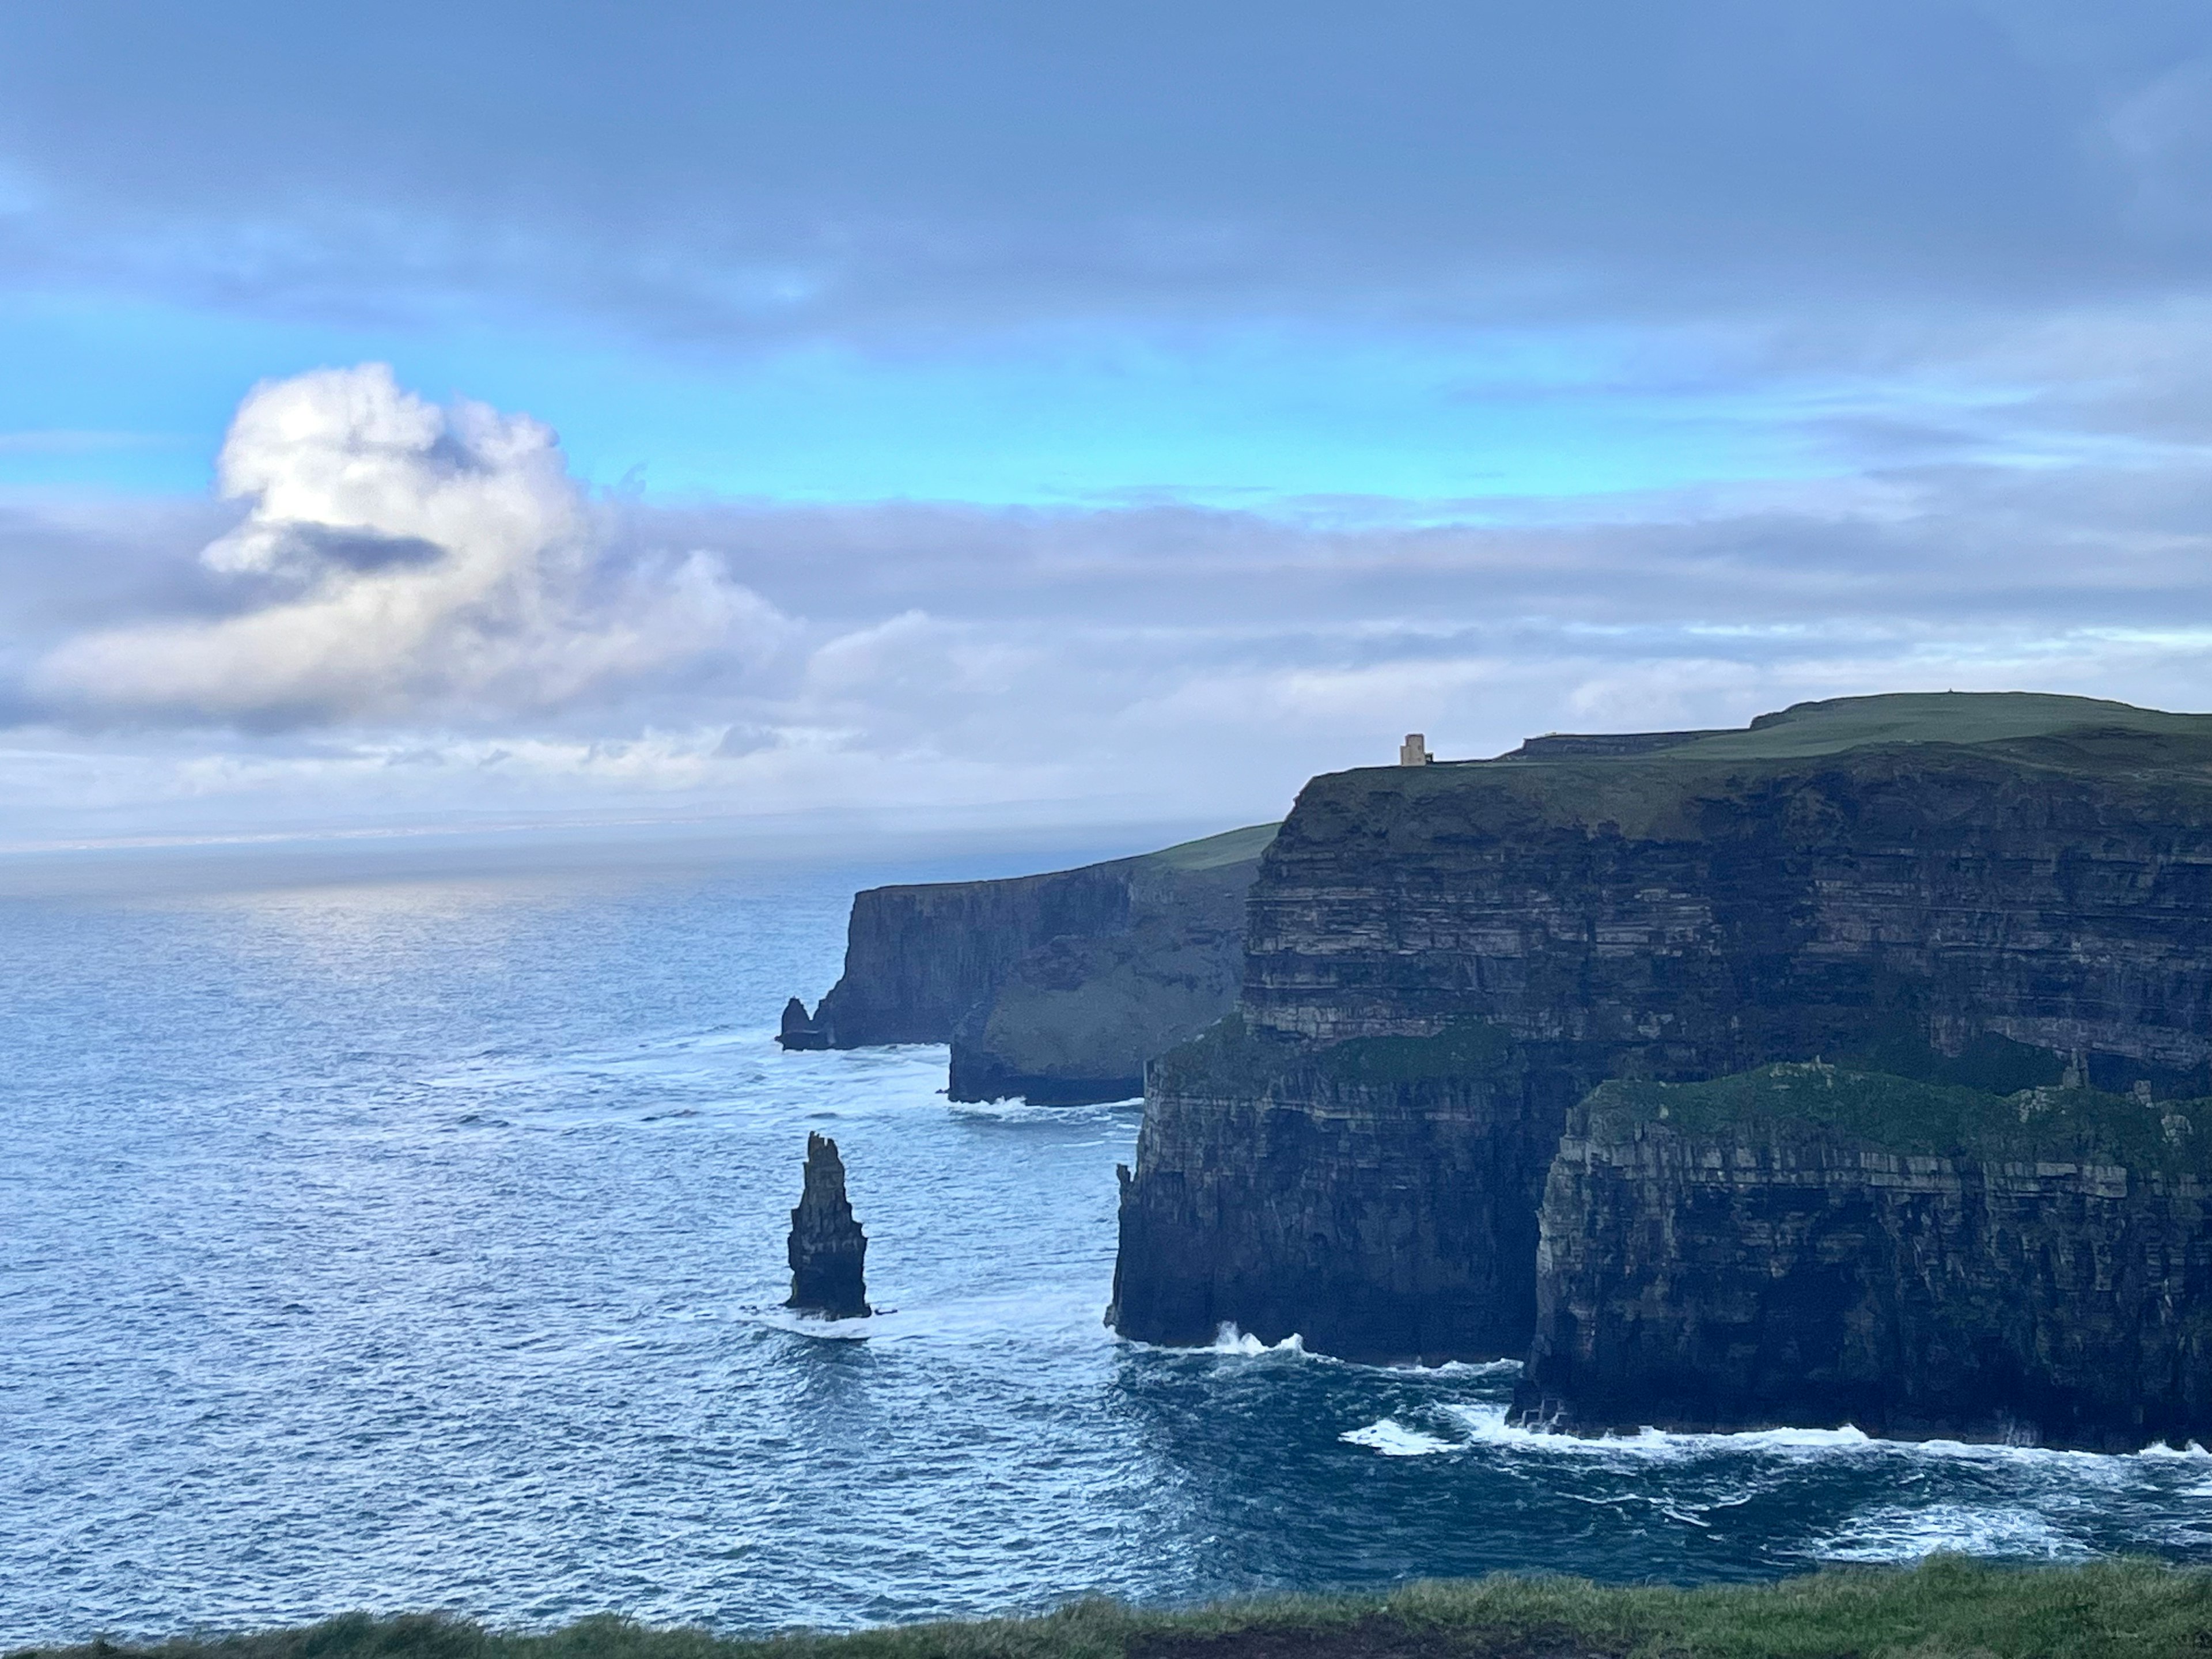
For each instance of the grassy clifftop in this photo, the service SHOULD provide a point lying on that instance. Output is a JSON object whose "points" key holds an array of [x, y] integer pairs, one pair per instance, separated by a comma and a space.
{"points": [[1967, 718], [1678, 786], [1946, 1608], [1214, 852], [1898, 1114]]}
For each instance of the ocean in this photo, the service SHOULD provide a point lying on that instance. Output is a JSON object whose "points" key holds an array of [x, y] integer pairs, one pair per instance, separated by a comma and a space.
{"points": [[406, 1231]]}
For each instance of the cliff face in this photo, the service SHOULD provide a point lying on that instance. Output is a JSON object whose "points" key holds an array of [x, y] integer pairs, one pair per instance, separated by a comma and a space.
{"points": [[918, 958], [1057, 987], [1692, 916], [1076, 1019], [1961, 887], [1378, 1199], [1805, 1246]]}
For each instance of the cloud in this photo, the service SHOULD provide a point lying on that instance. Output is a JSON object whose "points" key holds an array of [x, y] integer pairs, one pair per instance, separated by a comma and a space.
{"points": [[410, 612], [401, 559], [746, 172]]}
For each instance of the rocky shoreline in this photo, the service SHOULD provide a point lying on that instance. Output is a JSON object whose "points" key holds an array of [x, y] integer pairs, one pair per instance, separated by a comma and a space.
{"points": [[1398, 1115], [1391, 1149]]}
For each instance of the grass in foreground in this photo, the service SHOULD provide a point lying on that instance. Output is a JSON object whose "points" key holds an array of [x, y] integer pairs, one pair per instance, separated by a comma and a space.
{"points": [[1945, 1609]]}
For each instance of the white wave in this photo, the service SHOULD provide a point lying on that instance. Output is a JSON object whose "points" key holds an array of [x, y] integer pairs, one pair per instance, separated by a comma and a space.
{"points": [[1487, 1423], [2192, 1451], [1053, 1318], [1394, 1439], [1021, 1111], [1898, 1534], [814, 1325], [1230, 1340], [1476, 1368]]}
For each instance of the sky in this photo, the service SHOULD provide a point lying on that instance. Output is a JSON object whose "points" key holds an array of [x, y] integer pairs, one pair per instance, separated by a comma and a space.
{"points": [[850, 416]]}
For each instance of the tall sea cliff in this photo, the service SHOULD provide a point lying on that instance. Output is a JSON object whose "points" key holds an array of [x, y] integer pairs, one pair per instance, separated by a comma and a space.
{"points": [[1804, 1244], [1984, 890]]}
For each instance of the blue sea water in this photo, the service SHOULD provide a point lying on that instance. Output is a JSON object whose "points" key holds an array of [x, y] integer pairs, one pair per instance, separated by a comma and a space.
{"points": [[412, 1238]]}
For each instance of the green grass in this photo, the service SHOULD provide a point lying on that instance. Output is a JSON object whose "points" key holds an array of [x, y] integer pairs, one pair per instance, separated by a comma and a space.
{"points": [[1944, 1608], [1230, 1056], [2147, 764], [1829, 727], [1787, 1102], [1961, 717], [1227, 1056], [1465, 1048], [1215, 852]]}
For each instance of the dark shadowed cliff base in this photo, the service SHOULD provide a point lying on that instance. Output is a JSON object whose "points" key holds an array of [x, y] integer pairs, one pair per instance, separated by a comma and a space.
{"points": [[1055, 988], [1946, 1608], [1812, 1246], [1977, 890], [1377, 1198]]}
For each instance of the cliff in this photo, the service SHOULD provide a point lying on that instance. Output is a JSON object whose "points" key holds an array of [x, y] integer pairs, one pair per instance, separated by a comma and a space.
{"points": [[1377, 1198], [1961, 888], [1056, 988], [829, 1252], [1806, 1245]]}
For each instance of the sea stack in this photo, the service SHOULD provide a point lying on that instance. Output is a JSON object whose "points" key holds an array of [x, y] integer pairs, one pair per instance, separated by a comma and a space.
{"points": [[800, 1029], [828, 1251]]}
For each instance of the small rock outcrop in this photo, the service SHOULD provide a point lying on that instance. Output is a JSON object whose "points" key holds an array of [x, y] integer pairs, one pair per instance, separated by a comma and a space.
{"points": [[801, 1030], [828, 1251]]}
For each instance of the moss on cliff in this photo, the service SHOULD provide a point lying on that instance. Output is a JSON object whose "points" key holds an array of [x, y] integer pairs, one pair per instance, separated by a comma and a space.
{"points": [[1230, 1056], [1227, 1057], [1780, 1103], [1465, 1048], [1945, 1609]]}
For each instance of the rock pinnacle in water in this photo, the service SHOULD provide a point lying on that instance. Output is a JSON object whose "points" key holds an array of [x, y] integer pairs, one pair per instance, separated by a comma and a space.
{"points": [[828, 1251]]}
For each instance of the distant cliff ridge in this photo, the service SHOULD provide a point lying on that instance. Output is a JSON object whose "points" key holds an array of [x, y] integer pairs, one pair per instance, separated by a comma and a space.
{"points": [[1965, 889], [1056, 988]]}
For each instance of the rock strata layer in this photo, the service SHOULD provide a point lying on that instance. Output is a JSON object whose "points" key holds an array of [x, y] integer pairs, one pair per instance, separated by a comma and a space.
{"points": [[1986, 890], [1056, 988], [828, 1251], [1805, 1246], [1377, 1199]]}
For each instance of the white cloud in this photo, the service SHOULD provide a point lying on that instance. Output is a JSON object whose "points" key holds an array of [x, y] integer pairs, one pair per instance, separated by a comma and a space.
{"points": [[423, 616], [402, 558]]}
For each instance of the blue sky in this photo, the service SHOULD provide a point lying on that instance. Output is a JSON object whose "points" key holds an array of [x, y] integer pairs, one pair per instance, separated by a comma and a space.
{"points": [[132, 397], [428, 412]]}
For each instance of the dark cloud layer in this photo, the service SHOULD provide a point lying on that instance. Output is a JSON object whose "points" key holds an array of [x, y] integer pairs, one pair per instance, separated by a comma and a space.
{"points": [[846, 167], [1958, 252]]}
